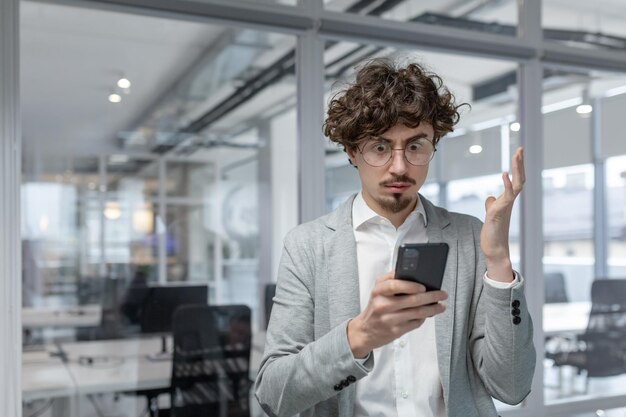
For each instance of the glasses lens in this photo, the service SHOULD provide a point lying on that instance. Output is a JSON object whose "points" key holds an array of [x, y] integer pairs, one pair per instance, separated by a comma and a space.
{"points": [[376, 153], [417, 152]]}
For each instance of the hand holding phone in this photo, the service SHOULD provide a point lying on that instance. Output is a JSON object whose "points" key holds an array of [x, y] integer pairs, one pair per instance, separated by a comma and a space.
{"points": [[424, 263]]}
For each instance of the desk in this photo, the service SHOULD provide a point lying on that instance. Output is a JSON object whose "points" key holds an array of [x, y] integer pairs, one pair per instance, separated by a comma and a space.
{"points": [[117, 365], [81, 316], [45, 376], [559, 318]]}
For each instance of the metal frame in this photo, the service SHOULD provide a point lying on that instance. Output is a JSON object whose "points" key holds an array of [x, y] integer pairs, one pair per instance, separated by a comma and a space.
{"points": [[314, 26], [10, 224]]}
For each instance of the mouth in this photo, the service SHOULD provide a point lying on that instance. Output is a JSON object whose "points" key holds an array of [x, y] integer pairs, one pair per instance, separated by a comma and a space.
{"points": [[397, 187]]}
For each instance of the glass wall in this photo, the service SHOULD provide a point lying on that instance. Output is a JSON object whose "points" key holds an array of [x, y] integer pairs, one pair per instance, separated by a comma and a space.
{"points": [[585, 25], [490, 17], [148, 181], [582, 322]]}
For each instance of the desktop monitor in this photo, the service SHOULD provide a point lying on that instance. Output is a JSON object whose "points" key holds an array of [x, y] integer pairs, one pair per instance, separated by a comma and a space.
{"points": [[160, 302]]}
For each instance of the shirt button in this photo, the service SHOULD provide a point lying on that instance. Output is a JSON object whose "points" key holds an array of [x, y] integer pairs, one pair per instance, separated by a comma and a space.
{"points": [[404, 394], [402, 343]]}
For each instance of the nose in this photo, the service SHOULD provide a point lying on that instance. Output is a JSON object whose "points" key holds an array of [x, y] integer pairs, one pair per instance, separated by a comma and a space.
{"points": [[398, 162]]}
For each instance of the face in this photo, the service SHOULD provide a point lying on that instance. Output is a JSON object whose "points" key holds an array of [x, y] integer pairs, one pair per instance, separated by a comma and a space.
{"points": [[392, 188]]}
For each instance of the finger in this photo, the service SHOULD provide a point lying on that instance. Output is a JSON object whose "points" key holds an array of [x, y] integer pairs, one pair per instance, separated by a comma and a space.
{"points": [[418, 313], [517, 164], [416, 300], [508, 185], [489, 201], [392, 287], [385, 277]]}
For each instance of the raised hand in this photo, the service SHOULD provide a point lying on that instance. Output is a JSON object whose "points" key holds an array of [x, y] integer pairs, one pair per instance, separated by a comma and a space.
{"points": [[494, 237]]}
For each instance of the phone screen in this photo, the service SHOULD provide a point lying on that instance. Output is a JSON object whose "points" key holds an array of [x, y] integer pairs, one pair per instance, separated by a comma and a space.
{"points": [[422, 262]]}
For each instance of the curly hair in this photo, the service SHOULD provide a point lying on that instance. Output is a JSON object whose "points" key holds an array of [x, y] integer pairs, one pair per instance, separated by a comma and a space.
{"points": [[383, 96]]}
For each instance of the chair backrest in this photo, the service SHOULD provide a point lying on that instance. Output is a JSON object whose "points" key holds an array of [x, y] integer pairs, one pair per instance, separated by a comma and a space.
{"points": [[210, 370], [270, 291], [554, 285], [605, 337]]}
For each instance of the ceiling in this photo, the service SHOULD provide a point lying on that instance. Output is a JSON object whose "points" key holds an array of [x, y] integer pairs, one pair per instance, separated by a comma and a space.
{"points": [[72, 57]]}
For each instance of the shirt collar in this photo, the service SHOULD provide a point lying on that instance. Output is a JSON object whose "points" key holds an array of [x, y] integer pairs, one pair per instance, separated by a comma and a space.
{"points": [[362, 213]]}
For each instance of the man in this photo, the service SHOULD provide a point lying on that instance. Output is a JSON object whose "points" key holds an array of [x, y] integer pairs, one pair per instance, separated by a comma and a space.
{"points": [[347, 339]]}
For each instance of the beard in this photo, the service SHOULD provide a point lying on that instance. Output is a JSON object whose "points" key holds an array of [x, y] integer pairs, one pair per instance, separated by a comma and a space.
{"points": [[395, 204]]}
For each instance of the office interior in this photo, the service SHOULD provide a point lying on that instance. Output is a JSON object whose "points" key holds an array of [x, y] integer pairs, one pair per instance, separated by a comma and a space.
{"points": [[168, 149]]}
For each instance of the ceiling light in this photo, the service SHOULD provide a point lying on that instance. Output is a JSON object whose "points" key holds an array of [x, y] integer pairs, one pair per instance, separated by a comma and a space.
{"points": [[112, 211], [515, 127], [475, 149], [123, 83], [115, 98], [119, 159], [584, 109]]}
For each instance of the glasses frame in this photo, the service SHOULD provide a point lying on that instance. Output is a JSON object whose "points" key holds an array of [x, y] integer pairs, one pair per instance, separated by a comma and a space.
{"points": [[396, 149]]}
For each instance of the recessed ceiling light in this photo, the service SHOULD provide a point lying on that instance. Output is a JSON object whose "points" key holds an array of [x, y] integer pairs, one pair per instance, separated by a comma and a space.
{"points": [[515, 127], [584, 109], [115, 98], [123, 83], [475, 149]]}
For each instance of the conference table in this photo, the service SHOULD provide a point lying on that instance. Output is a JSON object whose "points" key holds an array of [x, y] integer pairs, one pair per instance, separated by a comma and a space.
{"points": [[65, 372], [565, 318]]}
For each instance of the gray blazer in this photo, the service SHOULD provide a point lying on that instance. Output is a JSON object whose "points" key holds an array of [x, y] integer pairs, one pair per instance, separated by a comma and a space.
{"points": [[483, 350]]}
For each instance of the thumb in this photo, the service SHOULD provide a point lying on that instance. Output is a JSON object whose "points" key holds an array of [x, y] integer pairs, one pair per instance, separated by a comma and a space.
{"points": [[489, 201], [385, 277]]}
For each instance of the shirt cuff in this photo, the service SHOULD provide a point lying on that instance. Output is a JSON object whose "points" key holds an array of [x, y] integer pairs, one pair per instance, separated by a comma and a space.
{"points": [[361, 362], [503, 285]]}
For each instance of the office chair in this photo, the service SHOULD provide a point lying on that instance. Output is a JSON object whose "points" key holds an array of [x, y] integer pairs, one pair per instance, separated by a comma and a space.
{"points": [[210, 369], [601, 350], [554, 285], [270, 292]]}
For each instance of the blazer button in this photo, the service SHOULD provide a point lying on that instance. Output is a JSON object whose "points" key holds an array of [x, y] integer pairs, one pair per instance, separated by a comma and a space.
{"points": [[515, 303], [517, 320], [351, 378], [344, 383], [338, 387], [516, 311]]}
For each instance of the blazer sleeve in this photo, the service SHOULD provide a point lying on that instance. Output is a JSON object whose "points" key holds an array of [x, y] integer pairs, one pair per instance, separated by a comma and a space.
{"points": [[501, 338], [297, 371]]}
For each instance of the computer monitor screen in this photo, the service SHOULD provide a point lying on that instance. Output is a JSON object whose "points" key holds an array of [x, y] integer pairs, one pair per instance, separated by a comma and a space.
{"points": [[160, 302]]}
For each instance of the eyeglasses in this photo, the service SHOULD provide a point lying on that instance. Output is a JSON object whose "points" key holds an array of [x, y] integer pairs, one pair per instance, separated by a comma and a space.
{"points": [[378, 152]]}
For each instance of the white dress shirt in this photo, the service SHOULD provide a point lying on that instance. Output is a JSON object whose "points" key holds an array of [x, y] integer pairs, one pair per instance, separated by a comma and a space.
{"points": [[405, 380]]}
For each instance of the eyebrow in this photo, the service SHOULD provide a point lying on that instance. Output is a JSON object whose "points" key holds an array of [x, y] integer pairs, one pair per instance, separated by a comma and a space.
{"points": [[418, 136]]}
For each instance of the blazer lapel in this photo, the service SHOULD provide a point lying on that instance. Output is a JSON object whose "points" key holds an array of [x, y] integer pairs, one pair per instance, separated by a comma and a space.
{"points": [[438, 230], [342, 268]]}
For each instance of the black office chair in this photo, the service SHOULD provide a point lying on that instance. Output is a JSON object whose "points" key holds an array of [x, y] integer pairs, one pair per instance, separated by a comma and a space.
{"points": [[270, 292], [210, 370], [601, 350], [554, 285]]}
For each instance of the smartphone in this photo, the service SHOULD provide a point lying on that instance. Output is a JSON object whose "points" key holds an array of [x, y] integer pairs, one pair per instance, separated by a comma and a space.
{"points": [[424, 263]]}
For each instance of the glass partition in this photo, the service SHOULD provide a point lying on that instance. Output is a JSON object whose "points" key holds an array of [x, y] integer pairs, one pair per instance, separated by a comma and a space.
{"points": [[490, 17], [152, 174]]}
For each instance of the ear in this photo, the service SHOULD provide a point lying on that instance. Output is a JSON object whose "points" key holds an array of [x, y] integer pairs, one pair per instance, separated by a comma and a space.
{"points": [[352, 155]]}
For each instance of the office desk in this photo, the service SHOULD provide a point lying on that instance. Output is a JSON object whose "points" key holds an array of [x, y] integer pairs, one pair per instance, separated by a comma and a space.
{"points": [[117, 365], [80, 316], [121, 365], [125, 365], [45, 376], [559, 318]]}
